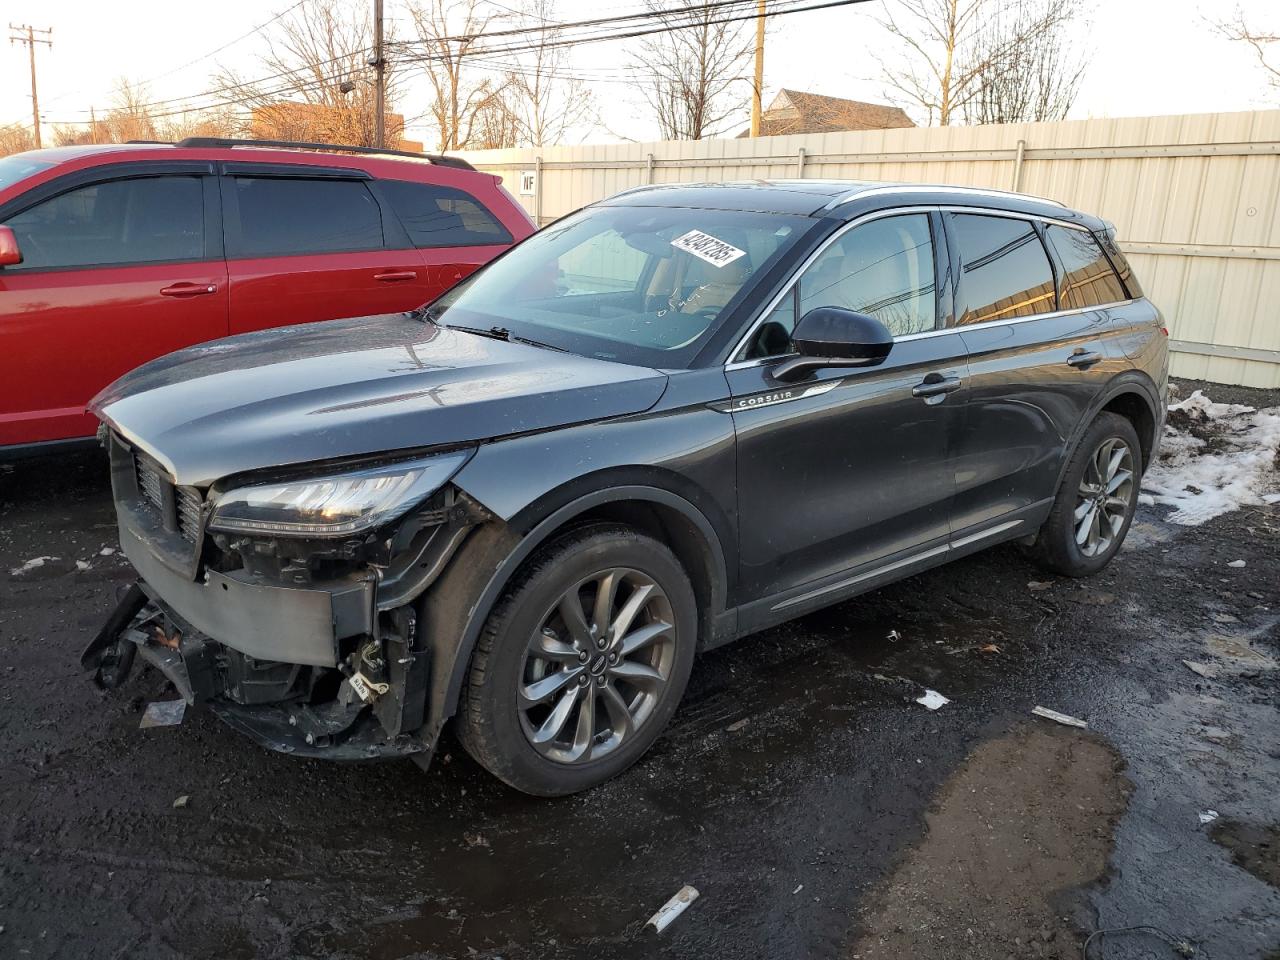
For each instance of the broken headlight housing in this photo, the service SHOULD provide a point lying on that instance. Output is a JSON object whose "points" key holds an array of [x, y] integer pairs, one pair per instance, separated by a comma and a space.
{"points": [[334, 505]]}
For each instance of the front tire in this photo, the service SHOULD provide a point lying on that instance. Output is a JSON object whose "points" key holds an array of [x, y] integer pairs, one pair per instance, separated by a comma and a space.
{"points": [[1096, 502], [581, 663]]}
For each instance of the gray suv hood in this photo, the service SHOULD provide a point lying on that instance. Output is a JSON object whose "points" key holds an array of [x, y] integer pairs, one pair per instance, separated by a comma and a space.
{"points": [[347, 388]]}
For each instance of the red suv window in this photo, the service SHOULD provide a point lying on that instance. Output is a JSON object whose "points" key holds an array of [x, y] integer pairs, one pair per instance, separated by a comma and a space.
{"points": [[279, 216], [438, 216]]}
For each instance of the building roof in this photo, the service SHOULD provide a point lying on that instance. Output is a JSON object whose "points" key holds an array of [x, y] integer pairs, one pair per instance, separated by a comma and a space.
{"points": [[793, 111]]}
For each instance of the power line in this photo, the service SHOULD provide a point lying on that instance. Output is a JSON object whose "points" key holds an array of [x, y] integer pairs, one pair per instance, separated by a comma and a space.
{"points": [[227, 97], [230, 43]]}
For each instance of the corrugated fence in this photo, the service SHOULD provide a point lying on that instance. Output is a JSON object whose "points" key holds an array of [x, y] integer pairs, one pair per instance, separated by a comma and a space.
{"points": [[1196, 200]]}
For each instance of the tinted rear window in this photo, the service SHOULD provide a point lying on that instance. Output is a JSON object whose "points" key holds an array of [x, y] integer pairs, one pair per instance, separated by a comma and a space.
{"points": [[1087, 278], [280, 216], [443, 217], [1121, 263], [143, 220], [1004, 270]]}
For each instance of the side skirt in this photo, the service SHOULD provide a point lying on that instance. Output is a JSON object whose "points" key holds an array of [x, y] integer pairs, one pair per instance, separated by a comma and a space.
{"points": [[770, 611]]}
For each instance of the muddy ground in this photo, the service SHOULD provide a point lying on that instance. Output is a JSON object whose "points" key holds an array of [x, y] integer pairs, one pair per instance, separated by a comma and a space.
{"points": [[820, 811]]}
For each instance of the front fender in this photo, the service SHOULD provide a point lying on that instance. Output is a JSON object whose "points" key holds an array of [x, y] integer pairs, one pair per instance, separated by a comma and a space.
{"points": [[456, 607]]}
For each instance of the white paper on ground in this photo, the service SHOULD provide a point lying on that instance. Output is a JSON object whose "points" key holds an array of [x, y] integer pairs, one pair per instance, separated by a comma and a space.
{"points": [[163, 713], [673, 908], [1064, 718], [932, 699]]}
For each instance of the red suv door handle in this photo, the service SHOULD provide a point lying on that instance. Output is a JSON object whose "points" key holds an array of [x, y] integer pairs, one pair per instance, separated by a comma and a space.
{"points": [[189, 289], [396, 276]]}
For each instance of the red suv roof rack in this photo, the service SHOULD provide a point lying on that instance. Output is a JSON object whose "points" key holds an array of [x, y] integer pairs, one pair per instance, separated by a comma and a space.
{"points": [[216, 142]]}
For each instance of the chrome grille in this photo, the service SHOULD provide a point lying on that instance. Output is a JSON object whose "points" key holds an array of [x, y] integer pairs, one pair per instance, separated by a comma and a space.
{"points": [[187, 501], [150, 484]]}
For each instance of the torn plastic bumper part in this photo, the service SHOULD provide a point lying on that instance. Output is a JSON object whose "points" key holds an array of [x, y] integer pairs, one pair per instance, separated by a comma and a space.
{"points": [[335, 713]]}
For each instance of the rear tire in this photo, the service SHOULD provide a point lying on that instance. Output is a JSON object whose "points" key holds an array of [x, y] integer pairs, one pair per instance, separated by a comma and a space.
{"points": [[1095, 504], [557, 701]]}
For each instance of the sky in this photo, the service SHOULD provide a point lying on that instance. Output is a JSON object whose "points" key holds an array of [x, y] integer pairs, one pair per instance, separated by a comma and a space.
{"points": [[1147, 57]]}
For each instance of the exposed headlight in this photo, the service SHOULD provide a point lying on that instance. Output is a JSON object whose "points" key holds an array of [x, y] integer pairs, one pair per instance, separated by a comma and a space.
{"points": [[335, 505]]}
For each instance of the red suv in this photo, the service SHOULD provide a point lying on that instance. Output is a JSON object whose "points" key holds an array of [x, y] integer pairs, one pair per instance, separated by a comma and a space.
{"points": [[113, 255]]}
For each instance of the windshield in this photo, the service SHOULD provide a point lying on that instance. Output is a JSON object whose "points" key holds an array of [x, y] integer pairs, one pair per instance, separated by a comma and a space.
{"points": [[17, 166], [643, 285]]}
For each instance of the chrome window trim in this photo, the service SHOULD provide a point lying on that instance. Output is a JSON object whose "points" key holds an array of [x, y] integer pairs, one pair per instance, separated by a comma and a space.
{"points": [[935, 188], [898, 211]]}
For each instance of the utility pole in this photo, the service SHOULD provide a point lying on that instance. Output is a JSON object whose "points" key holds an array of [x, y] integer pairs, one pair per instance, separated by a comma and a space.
{"points": [[758, 89], [380, 80], [93, 125], [27, 34]]}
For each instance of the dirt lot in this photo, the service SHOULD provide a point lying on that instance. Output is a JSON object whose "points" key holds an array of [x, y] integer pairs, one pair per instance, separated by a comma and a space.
{"points": [[819, 810]]}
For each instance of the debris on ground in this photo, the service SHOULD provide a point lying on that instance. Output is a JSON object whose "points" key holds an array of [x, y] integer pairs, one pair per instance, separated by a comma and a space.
{"points": [[1038, 585], [1236, 564], [1214, 458], [893, 636], [1208, 816], [475, 840], [933, 700], [738, 725], [1063, 718], [182, 802], [33, 564], [163, 713], [797, 889], [1201, 669], [1181, 946], [673, 908], [989, 648], [106, 551]]}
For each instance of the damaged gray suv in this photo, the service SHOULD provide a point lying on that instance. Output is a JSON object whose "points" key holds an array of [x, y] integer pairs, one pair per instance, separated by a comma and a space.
{"points": [[674, 418]]}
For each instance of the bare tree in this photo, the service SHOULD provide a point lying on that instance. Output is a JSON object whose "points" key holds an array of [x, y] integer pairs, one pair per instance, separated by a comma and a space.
{"points": [[547, 101], [320, 84], [130, 116], [1264, 43], [945, 52], [1033, 80], [692, 73], [450, 32], [497, 124], [15, 138]]}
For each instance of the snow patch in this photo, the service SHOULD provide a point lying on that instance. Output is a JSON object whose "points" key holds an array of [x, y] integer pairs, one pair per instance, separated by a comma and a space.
{"points": [[1214, 458], [32, 564]]}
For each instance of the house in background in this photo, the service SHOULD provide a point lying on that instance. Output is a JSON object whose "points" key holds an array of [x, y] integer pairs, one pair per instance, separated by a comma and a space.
{"points": [[794, 112]]}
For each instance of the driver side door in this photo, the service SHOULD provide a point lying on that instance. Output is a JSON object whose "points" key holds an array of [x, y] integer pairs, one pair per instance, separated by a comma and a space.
{"points": [[849, 474]]}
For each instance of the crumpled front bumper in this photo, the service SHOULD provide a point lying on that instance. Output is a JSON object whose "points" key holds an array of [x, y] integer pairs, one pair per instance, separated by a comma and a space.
{"points": [[264, 620], [343, 728]]}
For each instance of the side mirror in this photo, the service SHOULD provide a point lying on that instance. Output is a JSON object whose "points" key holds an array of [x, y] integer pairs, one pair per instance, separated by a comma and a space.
{"points": [[832, 337], [9, 252]]}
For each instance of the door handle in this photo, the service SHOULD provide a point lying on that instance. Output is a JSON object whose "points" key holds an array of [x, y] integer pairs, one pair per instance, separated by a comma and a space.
{"points": [[936, 386], [186, 289], [396, 276], [1082, 359]]}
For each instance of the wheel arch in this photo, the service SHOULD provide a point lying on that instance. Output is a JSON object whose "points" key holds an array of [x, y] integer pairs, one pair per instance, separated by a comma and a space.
{"points": [[454, 610], [1134, 396]]}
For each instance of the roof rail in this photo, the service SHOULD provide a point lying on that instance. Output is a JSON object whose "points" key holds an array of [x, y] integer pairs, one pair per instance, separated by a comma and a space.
{"points": [[214, 142], [863, 191]]}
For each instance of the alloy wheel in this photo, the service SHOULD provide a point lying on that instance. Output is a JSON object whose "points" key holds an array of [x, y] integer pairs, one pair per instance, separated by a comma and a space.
{"points": [[1105, 496], [596, 666]]}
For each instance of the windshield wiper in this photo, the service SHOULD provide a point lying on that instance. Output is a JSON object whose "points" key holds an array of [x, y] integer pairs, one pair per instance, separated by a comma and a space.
{"points": [[499, 333]]}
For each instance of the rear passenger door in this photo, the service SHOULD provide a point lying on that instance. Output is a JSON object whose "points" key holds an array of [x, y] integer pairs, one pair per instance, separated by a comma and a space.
{"points": [[453, 231], [1038, 356], [307, 244]]}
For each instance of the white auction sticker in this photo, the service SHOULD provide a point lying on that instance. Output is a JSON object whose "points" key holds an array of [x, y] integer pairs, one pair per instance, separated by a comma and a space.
{"points": [[708, 248]]}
